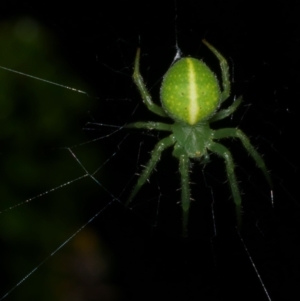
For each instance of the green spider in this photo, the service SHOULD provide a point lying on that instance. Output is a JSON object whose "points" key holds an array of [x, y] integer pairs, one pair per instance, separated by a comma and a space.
{"points": [[191, 96]]}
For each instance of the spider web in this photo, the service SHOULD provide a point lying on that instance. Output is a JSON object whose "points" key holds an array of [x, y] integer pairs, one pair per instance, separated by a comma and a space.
{"points": [[47, 163]]}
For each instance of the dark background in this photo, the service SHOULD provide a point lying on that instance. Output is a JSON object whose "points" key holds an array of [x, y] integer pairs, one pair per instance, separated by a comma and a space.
{"points": [[139, 253]]}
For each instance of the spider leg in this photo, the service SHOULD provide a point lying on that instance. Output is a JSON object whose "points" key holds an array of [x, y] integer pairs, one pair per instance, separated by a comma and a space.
{"points": [[236, 133], [184, 163], [155, 156], [224, 70], [150, 125], [138, 80], [223, 152], [226, 112]]}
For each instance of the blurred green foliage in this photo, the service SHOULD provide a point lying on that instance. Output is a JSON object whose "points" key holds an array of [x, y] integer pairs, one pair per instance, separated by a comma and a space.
{"points": [[37, 119]]}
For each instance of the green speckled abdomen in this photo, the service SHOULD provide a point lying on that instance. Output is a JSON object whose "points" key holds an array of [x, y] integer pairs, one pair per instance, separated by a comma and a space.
{"points": [[190, 91]]}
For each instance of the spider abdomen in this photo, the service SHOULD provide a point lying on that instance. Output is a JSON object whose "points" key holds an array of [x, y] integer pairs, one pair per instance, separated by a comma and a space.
{"points": [[190, 91]]}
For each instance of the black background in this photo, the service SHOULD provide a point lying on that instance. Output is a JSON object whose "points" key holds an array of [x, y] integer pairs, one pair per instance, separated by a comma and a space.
{"points": [[146, 256]]}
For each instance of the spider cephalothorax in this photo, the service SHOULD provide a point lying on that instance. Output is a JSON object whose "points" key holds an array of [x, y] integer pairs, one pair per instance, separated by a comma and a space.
{"points": [[191, 95]]}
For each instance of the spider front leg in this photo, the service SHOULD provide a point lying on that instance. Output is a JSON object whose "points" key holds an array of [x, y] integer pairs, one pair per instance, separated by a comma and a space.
{"points": [[138, 80], [184, 163], [223, 152], [236, 133], [159, 148]]}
